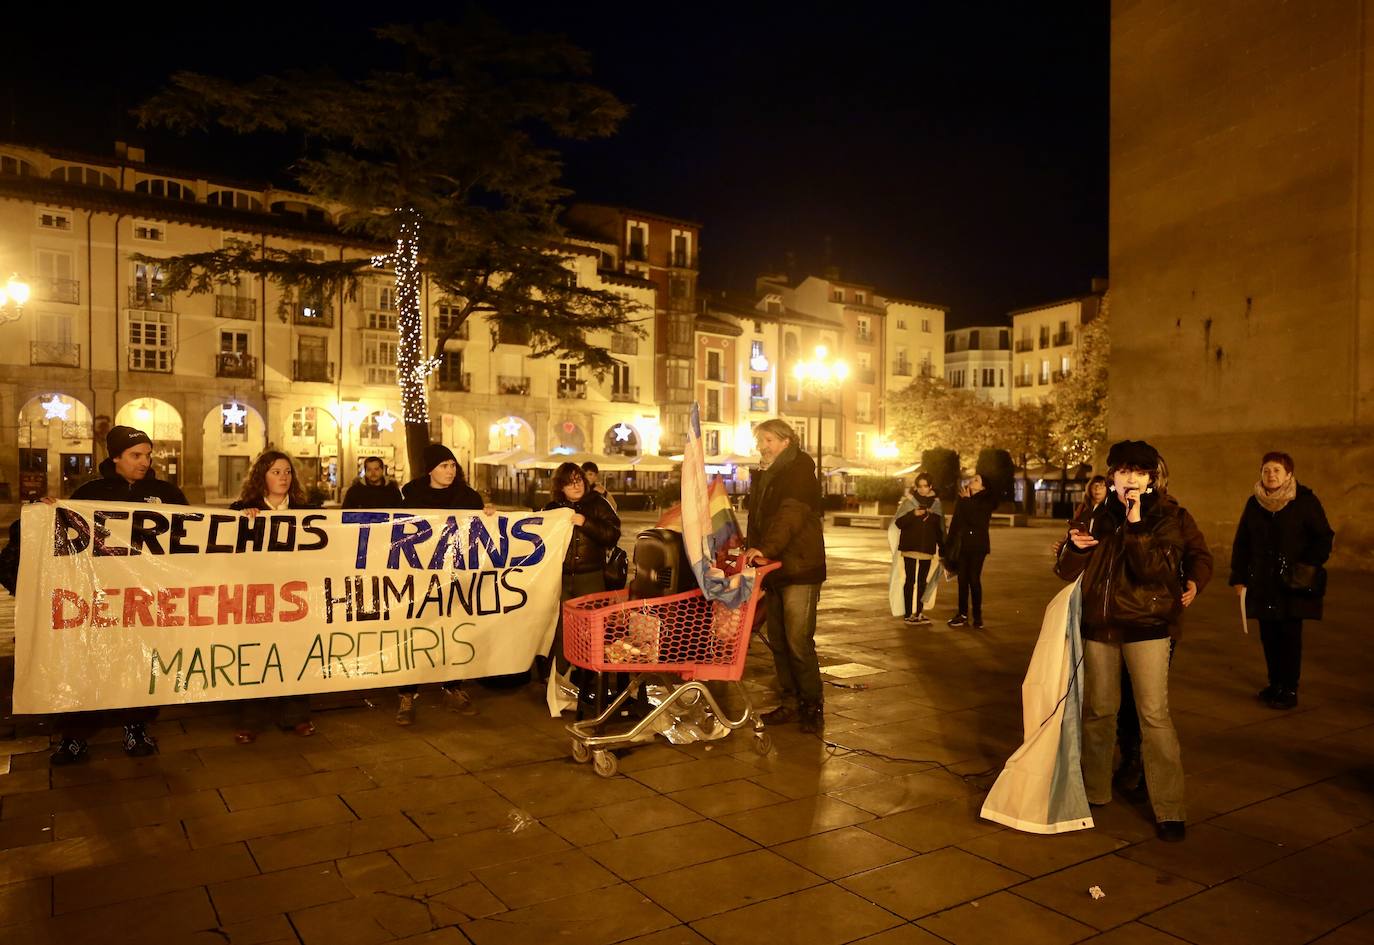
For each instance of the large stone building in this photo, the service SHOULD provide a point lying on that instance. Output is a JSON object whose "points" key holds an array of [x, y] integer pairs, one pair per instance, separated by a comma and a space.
{"points": [[1045, 343], [978, 360], [217, 377], [1242, 315]]}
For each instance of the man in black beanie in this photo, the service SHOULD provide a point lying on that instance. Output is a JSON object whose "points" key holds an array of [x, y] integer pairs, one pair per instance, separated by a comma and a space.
{"points": [[126, 475]]}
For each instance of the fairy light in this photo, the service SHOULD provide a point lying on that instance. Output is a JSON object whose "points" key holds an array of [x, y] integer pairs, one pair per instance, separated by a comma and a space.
{"points": [[412, 367]]}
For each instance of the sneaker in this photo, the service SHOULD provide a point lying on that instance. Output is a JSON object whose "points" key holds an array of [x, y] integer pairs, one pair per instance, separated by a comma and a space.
{"points": [[302, 729], [137, 742], [978, 623], [1267, 693], [1171, 831], [1283, 699], [405, 713], [922, 619], [958, 620], [912, 618], [456, 700], [812, 720], [70, 751], [780, 716]]}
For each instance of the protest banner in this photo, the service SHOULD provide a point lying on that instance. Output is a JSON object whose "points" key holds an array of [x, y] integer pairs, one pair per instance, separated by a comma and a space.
{"points": [[123, 605]]}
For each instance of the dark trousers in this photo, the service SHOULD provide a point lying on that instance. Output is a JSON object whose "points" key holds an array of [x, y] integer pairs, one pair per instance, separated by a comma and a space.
{"points": [[971, 582], [83, 725], [917, 571], [1282, 641], [1127, 718]]}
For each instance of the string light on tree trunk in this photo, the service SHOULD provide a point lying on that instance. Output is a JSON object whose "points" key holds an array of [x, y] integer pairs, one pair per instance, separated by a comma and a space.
{"points": [[412, 368]]}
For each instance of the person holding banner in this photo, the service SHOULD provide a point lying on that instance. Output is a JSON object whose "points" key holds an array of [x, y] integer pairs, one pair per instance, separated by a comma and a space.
{"points": [[126, 475], [1128, 558], [920, 521], [272, 486], [785, 525], [443, 486]]}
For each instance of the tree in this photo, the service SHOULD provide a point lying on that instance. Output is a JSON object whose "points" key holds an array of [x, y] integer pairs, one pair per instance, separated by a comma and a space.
{"points": [[442, 162], [929, 413], [1078, 405], [1024, 432]]}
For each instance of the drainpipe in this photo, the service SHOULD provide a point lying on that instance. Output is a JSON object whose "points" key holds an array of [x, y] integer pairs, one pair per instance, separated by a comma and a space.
{"points": [[114, 402], [90, 322]]}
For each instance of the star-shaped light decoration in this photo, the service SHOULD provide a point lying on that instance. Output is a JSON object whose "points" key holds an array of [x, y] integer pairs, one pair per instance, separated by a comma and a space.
{"points": [[385, 421], [622, 433], [511, 427], [233, 413], [55, 409]]}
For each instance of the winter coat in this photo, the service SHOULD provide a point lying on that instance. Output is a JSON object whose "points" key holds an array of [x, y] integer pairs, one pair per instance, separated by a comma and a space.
{"points": [[364, 495], [921, 533], [419, 494], [785, 521], [1266, 542], [112, 487], [594, 538], [1132, 587], [968, 528]]}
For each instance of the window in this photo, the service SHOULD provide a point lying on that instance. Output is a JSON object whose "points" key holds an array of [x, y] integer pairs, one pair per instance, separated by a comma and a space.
{"points": [[620, 379], [567, 372], [861, 443], [381, 321], [680, 375], [54, 271], [147, 287], [1064, 364], [837, 295], [758, 325], [639, 242], [755, 350], [303, 423], [234, 200], [379, 358], [774, 308], [55, 220], [713, 405], [755, 387], [89, 176], [678, 287], [901, 324], [151, 340], [865, 331], [450, 373], [859, 298], [233, 342], [925, 325], [713, 368], [790, 345], [151, 232], [863, 407], [990, 377], [171, 189], [712, 442], [1044, 336], [17, 167], [791, 389], [681, 251]]}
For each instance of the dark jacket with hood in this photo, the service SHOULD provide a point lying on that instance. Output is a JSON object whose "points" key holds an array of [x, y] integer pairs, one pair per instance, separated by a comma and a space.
{"points": [[1132, 585], [594, 538], [364, 495], [921, 533], [968, 527], [1267, 543], [112, 487], [785, 521], [419, 494]]}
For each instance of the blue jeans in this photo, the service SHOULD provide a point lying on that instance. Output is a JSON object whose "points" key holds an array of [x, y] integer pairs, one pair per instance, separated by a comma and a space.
{"points": [[791, 612], [1148, 661]]}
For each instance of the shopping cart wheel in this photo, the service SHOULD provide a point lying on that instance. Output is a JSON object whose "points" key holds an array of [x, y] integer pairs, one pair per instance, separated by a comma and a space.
{"points": [[580, 752], [605, 763], [763, 743]]}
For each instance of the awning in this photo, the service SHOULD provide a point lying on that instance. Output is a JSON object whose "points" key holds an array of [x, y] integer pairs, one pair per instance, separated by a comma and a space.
{"points": [[506, 458], [648, 463], [554, 460]]}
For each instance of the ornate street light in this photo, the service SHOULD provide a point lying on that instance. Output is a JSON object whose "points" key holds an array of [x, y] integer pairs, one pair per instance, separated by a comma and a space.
{"points": [[13, 296], [821, 375]]}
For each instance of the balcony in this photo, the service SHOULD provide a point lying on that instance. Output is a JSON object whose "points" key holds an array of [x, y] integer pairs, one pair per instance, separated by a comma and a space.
{"points": [[712, 415], [901, 369], [1021, 380], [515, 386], [1058, 376], [863, 337], [1024, 344], [454, 382], [678, 260], [318, 372], [927, 369], [513, 335], [866, 375], [235, 306], [1042, 380], [54, 354], [155, 360], [58, 290], [149, 300], [380, 375], [314, 317], [758, 404], [1045, 340], [1063, 339], [637, 252], [717, 376], [441, 326], [572, 388], [622, 343], [863, 418], [625, 395], [234, 364]]}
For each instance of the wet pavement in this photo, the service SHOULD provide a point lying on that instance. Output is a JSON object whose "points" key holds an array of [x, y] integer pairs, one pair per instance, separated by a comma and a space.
{"points": [[484, 830]]}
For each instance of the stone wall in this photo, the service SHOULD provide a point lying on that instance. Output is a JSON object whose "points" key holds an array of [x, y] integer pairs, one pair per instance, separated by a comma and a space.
{"points": [[1241, 269]]}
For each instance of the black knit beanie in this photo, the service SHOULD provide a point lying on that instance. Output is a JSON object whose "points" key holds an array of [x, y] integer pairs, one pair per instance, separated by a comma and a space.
{"points": [[121, 438], [436, 453], [1136, 454]]}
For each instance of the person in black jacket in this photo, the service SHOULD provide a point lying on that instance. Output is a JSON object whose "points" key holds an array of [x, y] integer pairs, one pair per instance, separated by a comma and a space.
{"points": [[126, 475], [785, 525], [272, 486], [1282, 529], [442, 487], [596, 530], [1128, 557], [373, 490], [920, 521], [968, 534]]}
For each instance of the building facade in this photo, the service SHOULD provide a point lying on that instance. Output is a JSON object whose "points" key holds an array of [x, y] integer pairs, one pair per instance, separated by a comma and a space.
{"points": [[1045, 343], [978, 360], [217, 377]]}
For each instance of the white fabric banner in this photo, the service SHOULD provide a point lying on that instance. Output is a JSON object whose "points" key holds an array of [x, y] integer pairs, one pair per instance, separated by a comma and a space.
{"points": [[124, 604]]}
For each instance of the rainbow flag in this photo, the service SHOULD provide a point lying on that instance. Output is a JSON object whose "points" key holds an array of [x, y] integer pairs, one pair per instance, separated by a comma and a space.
{"points": [[709, 529]]}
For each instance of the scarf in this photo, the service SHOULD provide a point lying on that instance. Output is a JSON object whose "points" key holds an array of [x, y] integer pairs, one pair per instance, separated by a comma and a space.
{"points": [[1276, 500]]}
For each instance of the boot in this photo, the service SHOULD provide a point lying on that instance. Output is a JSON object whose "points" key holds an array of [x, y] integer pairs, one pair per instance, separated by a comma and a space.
{"points": [[812, 719], [405, 712]]}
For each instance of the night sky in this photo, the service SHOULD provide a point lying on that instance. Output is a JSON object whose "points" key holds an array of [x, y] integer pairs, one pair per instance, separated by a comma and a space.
{"points": [[956, 156]]}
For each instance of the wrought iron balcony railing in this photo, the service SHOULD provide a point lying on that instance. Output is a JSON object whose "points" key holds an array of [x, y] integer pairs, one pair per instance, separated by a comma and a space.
{"points": [[59, 290], [236, 306], [572, 389], [625, 395], [454, 382], [510, 384], [234, 364], [54, 353], [149, 299], [321, 372]]}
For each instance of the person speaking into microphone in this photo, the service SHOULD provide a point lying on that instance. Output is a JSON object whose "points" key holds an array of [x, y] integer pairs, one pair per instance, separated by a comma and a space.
{"points": [[1129, 551]]}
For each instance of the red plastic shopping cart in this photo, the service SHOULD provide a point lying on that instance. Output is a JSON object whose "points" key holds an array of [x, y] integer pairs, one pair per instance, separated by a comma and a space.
{"points": [[682, 635]]}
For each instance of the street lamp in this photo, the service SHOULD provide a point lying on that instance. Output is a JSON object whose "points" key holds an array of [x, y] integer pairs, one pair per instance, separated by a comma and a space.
{"points": [[13, 296], [822, 375]]}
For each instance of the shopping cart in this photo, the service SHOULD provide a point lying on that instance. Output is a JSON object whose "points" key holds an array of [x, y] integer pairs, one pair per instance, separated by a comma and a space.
{"points": [[682, 635]]}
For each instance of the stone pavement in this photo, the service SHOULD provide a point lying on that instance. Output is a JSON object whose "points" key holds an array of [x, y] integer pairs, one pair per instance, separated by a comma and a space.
{"points": [[368, 833]]}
